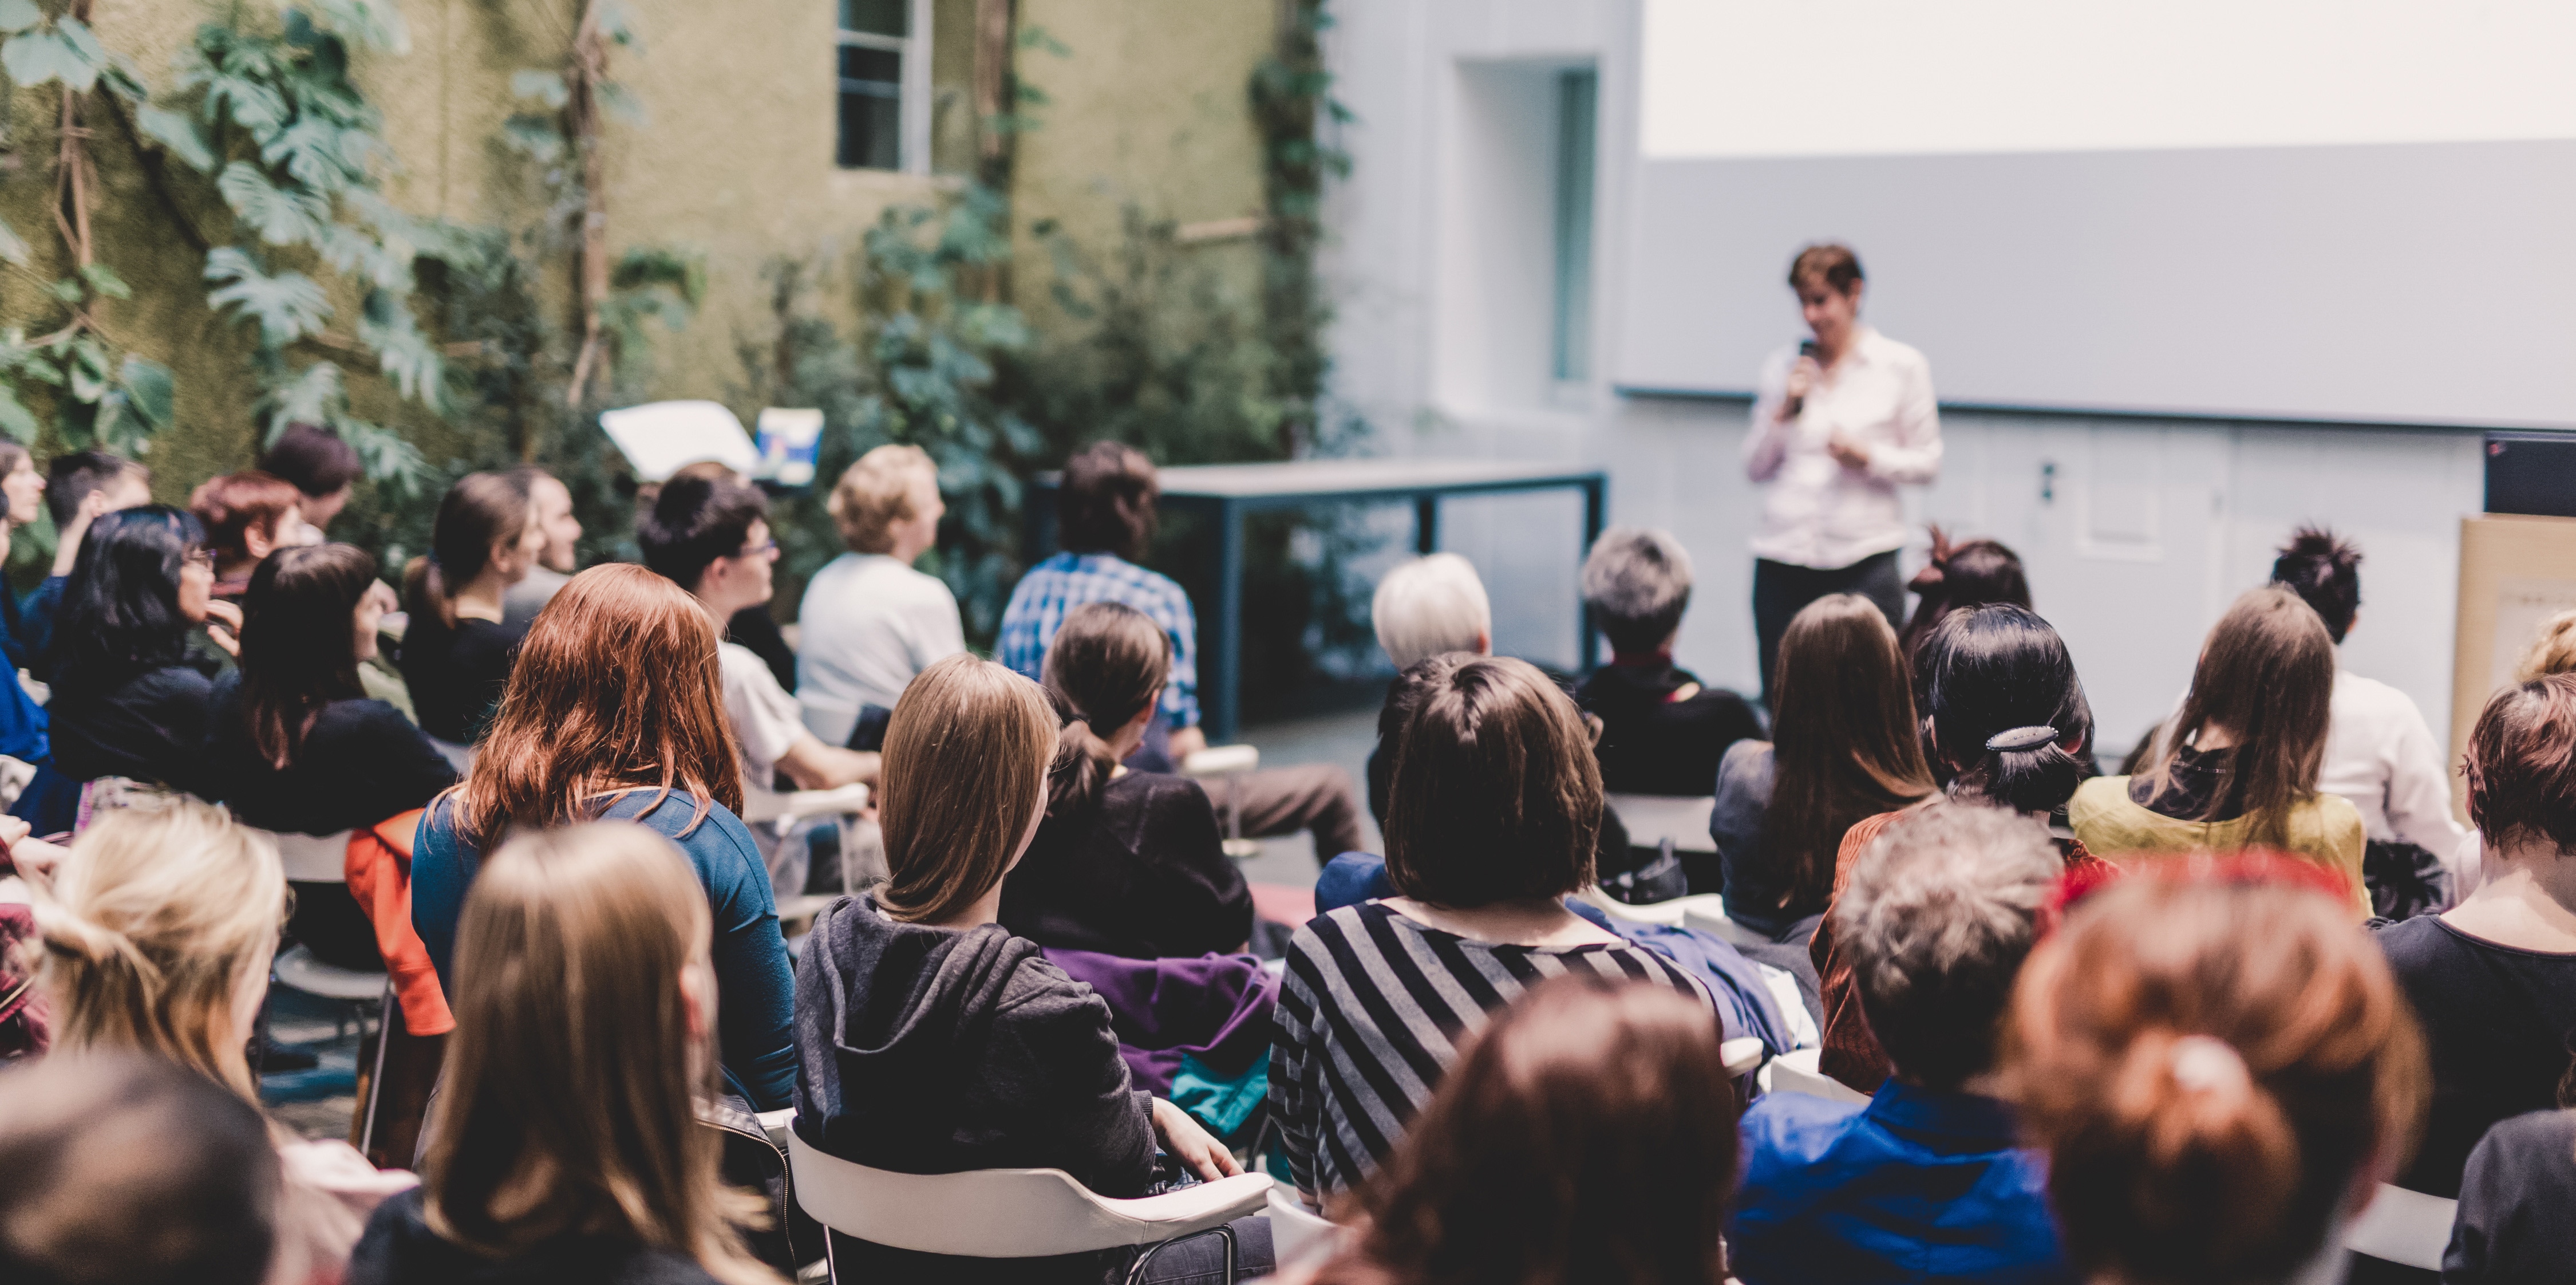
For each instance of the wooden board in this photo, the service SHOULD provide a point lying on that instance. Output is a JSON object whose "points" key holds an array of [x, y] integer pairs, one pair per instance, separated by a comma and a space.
{"points": [[2515, 572]]}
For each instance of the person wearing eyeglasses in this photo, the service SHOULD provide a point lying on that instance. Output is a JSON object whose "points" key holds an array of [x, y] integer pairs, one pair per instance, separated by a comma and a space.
{"points": [[711, 537], [130, 693]]}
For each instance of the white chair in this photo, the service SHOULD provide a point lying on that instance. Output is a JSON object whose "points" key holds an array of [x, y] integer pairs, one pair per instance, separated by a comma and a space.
{"points": [[1797, 1073], [2402, 1226], [1295, 1230], [785, 814], [1653, 818], [1227, 763], [1011, 1213], [311, 858], [1741, 1054]]}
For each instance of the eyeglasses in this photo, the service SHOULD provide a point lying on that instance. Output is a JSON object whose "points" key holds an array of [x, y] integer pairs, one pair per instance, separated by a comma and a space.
{"points": [[761, 550], [200, 558]]}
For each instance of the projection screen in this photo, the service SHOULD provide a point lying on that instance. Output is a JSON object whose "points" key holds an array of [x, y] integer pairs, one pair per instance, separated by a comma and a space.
{"points": [[2339, 210]]}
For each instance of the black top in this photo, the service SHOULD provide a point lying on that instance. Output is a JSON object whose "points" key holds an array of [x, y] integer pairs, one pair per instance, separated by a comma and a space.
{"points": [[1653, 744], [456, 675], [2193, 783], [151, 727], [1140, 872], [361, 762], [754, 628], [931, 1050], [2497, 1022], [400, 1249], [2513, 1226]]}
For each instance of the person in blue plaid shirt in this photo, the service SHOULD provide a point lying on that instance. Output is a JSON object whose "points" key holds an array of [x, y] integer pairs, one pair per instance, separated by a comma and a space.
{"points": [[1106, 513]]}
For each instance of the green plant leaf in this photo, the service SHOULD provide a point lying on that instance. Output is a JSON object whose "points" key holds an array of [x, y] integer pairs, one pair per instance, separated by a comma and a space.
{"points": [[19, 15], [547, 87], [104, 280], [281, 216], [176, 134], [50, 53], [533, 136], [13, 248], [15, 419], [148, 390], [251, 103], [622, 105], [307, 398], [319, 154], [406, 356], [380, 25], [287, 306]]}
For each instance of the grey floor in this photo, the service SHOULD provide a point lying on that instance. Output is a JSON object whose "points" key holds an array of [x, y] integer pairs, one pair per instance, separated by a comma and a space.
{"points": [[1343, 739]]}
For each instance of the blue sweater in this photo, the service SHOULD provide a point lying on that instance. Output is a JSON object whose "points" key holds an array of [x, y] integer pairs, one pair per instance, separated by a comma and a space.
{"points": [[755, 990]]}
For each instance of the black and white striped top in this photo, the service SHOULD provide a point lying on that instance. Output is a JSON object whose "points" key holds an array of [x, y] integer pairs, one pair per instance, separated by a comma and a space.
{"points": [[1373, 1010]]}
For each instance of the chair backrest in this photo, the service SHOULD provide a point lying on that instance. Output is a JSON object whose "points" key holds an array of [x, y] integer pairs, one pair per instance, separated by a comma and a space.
{"points": [[1667, 913], [314, 858], [1653, 818], [2402, 1226], [1797, 1073], [1004, 1213], [1295, 1230]]}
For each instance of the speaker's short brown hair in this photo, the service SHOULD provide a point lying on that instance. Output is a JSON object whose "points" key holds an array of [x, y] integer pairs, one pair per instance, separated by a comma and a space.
{"points": [[1496, 795], [1830, 263]]}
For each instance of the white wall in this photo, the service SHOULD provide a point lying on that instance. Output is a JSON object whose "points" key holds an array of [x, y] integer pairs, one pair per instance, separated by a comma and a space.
{"points": [[2151, 526]]}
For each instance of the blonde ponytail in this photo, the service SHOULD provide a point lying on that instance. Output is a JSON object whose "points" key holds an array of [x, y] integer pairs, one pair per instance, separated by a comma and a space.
{"points": [[154, 924]]}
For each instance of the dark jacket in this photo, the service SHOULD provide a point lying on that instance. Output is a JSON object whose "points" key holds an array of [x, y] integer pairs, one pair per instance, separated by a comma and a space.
{"points": [[400, 1249], [1654, 744], [361, 762], [931, 1050], [1139, 871], [150, 726], [456, 674]]}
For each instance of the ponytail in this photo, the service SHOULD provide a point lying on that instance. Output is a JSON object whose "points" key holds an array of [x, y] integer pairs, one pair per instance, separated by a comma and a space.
{"points": [[1105, 666], [2217, 1154], [2026, 769], [2004, 715], [480, 513]]}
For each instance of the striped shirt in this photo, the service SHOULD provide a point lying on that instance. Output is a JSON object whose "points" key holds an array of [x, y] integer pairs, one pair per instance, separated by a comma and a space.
{"points": [[1373, 1010], [1069, 580]]}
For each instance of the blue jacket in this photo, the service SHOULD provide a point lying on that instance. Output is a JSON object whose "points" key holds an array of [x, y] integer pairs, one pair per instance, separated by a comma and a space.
{"points": [[1915, 1186], [756, 992]]}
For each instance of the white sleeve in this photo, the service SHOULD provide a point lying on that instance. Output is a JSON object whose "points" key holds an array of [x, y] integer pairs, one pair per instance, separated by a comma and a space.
{"points": [[1914, 454], [2419, 789], [1768, 441], [937, 631], [764, 717]]}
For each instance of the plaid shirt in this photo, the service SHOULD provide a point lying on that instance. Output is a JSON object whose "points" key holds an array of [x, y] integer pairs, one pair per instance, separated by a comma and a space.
{"points": [[1068, 580]]}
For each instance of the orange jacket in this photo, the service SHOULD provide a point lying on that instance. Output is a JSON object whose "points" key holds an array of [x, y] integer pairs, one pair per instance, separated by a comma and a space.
{"points": [[379, 870]]}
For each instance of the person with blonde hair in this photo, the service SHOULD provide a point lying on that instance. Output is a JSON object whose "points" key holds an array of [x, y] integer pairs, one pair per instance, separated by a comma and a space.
{"points": [[869, 621], [157, 931], [2552, 651], [934, 1041], [566, 1144], [2220, 1070], [615, 710]]}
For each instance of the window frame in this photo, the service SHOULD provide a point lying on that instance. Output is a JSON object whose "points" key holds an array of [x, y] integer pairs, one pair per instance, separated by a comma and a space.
{"points": [[912, 97]]}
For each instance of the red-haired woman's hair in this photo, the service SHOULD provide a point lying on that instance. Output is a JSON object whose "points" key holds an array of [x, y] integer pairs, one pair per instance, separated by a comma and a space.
{"points": [[2209, 1063], [235, 504], [616, 688], [2521, 765], [1588, 1134]]}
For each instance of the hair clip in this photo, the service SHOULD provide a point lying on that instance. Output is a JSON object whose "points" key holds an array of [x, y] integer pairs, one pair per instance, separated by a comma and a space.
{"points": [[2204, 1064], [2017, 739]]}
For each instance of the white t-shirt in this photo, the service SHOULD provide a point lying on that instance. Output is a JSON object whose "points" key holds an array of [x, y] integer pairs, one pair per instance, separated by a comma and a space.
{"points": [[868, 624], [2381, 755], [763, 715]]}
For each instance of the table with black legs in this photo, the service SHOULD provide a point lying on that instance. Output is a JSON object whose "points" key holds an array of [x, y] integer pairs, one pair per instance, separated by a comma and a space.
{"points": [[1225, 493]]}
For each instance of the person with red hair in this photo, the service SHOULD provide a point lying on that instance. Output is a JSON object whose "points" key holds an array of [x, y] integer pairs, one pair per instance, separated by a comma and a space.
{"points": [[247, 515]]}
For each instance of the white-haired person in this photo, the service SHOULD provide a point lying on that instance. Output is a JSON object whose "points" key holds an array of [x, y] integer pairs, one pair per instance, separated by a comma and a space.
{"points": [[1434, 605], [1928, 1177], [869, 620], [1662, 730]]}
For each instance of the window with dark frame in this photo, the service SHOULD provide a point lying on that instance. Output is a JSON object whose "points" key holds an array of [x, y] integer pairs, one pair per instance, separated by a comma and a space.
{"points": [[875, 38]]}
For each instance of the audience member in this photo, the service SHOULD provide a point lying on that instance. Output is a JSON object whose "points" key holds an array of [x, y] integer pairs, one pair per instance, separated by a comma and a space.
{"points": [[868, 621], [1844, 747], [1429, 607], [157, 935], [1661, 731], [567, 1145], [2218, 1071], [550, 505], [2006, 725], [129, 696], [118, 1170], [2494, 978], [1107, 517], [2553, 651], [712, 538], [295, 746], [1126, 863], [1958, 576], [246, 516], [1927, 1179], [2238, 764], [456, 649], [1494, 817], [931, 1040], [2380, 755], [752, 627], [615, 711], [22, 720], [1586, 1135], [79, 486], [2512, 1227], [324, 469]]}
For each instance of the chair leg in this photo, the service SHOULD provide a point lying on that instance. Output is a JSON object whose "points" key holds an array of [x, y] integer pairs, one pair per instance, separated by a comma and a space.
{"points": [[387, 1009]]}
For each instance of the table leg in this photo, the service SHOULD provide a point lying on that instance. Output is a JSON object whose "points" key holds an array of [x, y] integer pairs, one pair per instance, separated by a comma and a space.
{"points": [[1426, 524], [1221, 698]]}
